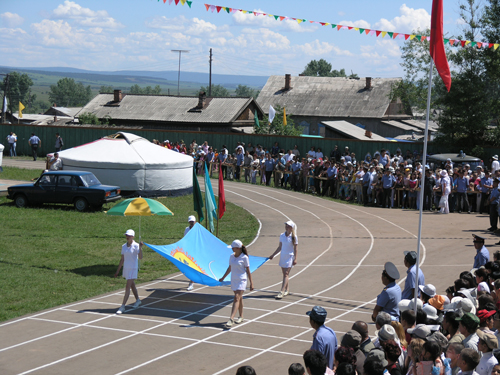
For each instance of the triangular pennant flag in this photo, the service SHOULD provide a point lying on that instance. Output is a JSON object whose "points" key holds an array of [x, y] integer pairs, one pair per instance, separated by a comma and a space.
{"points": [[490, 45], [218, 8], [384, 33], [311, 21], [422, 38], [255, 14], [446, 41], [207, 6], [212, 8], [390, 34], [472, 44], [356, 28], [333, 26], [170, 2], [467, 42], [189, 3], [228, 10], [299, 21], [361, 31], [496, 46], [407, 36], [183, 2], [479, 45], [412, 37], [282, 18], [367, 31], [176, 2], [462, 42], [276, 17], [378, 32], [164, 1], [395, 35], [339, 27], [244, 11], [326, 24], [249, 12], [349, 27], [223, 8], [322, 23]]}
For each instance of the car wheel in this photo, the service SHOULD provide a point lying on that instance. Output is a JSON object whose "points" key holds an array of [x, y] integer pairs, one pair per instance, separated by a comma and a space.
{"points": [[21, 200], [81, 204]]}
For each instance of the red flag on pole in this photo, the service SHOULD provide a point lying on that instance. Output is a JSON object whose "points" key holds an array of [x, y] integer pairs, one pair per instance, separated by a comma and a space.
{"points": [[437, 51], [222, 195]]}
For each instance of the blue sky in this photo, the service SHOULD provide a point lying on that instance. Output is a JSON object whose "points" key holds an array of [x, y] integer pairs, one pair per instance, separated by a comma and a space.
{"points": [[139, 35]]}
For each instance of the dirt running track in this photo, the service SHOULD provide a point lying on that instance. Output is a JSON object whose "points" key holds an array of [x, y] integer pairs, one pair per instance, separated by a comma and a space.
{"points": [[342, 249]]}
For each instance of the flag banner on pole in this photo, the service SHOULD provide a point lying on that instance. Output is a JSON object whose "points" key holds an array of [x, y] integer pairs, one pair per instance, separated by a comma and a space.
{"points": [[256, 119], [5, 103], [210, 201], [197, 197], [21, 108], [202, 257], [222, 196], [437, 50], [272, 113], [284, 116]]}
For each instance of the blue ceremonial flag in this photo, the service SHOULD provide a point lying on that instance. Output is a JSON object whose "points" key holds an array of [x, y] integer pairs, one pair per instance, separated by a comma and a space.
{"points": [[202, 257], [210, 200]]}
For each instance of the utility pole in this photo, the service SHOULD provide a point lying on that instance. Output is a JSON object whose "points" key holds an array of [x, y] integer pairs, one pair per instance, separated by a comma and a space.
{"points": [[179, 75], [5, 90], [210, 75]]}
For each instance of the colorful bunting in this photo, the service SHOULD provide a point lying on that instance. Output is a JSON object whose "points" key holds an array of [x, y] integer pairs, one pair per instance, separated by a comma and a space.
{"points": [[377, 33]]}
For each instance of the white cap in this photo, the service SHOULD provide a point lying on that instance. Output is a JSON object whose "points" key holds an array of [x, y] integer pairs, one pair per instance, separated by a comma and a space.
{"points": [[409, 304], [428, 289], [191, 218], [130, 232], [290, 223], [166, 141], [236, 243]]}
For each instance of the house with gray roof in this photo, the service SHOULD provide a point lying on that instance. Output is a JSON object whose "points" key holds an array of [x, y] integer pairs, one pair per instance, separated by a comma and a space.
{"points": [[364, 102], [191, 113]]}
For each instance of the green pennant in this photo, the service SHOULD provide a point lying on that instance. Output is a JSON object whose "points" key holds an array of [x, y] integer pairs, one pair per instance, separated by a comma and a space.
{"points": [[446, 41], [304, 20], [473, 44], [333, 26], [361, 31], [390, 34], [228, 10], [249, 12], [419, 37], [276, 17], [189, 3]]}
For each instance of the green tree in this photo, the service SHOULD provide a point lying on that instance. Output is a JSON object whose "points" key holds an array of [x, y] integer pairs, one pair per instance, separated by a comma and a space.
{"points": [[148, 90], [106, 90], [68, 93], [217, 90], [246, 92], [277, 127], [19, 90], [323, 68]]}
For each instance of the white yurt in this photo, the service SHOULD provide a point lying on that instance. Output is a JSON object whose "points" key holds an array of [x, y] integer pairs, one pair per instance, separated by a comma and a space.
{"points": [[133, 163]]}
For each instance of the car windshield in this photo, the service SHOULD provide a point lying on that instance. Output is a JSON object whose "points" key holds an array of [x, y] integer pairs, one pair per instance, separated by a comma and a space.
{"points": [[90, 180]]}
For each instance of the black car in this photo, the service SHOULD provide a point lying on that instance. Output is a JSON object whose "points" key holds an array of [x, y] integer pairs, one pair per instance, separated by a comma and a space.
{"points": [[82, 189]]}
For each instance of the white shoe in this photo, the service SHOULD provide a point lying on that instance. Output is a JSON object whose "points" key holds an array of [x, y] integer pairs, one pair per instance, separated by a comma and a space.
{"points": [[285, 293], [190, 287], [137, 303], [239, 320], [279, 296], [120, 310], [230, 323]]}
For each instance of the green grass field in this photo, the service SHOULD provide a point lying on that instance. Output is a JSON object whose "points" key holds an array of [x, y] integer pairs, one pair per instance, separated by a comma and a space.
{"points": [[53, 255]]}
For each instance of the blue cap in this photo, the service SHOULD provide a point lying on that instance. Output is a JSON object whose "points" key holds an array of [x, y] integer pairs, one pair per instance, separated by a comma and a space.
{"points": [[318, 314]]}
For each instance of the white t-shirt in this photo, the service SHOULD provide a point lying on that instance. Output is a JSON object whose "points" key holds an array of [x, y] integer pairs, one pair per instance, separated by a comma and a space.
{"points": [[312, 154], [11, 138], [130, 255], [238, 267], [186, 230], [57, 165], [287, 253], [319, 155]]}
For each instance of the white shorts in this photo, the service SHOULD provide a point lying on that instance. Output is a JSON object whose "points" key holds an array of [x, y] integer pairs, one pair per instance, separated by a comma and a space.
{"points": [[238, 285], [130, 273]]}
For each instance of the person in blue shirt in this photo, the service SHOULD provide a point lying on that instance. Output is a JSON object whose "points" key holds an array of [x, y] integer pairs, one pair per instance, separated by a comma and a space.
{"points": [[330, 172], [366, 181], [388, 181], [324, 339], [295, 168], [482, 254], [494, 199], [388, 300], [34, 142], [410, 263], [485, 185], [269, 165], [222, 158]]}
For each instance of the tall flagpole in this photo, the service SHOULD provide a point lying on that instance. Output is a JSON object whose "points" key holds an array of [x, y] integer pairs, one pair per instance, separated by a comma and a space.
{"points": [[422, 183]]}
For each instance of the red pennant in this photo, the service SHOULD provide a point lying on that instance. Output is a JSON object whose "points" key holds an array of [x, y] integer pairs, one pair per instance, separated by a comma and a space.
{"points": [[407, 36], [222, 195], [462, 42], [311, 21], [164, 1], [282, 18], [479, 44], [350, 27], [177, 2], [206, 6], [378, 32], [491, 45], [367, 31], [323, 23], [452, 42], [422, 38], [395, 35], [218, 7], [255, 14], [339, 27]]}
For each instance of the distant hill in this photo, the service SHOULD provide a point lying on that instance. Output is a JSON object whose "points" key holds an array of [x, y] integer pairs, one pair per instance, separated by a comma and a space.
{"points": [[146, 77]]}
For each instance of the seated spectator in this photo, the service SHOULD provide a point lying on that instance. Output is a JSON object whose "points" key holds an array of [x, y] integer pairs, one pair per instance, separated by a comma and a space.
{"points": [[487, 343], [486, 320], [366, 342], [375, 362], [246, 370], [421, 331], [352, 340], [296, 369], [400, 331], [415, 350], [392, 353], [346, 369], [469, 359], [450, 325], [468, 326], [344, 355], [315, 363], [453, 353]]}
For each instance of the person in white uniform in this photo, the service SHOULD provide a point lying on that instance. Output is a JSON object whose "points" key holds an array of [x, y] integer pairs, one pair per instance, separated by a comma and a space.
{"points": [[446, 189], [288, 257], [131, 253], [239, 266], [192, 222]]}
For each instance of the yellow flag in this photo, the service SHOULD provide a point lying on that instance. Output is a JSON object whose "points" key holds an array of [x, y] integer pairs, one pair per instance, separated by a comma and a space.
{"points": [[21, 107], [284, 116]]}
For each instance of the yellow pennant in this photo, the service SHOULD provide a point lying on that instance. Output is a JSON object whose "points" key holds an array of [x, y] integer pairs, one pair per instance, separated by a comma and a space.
{"points": [[244, 11], [183, 2], [412, 36], [326, 23], [384, 33], [467, 42], [299, 21], [496, 46], [356, 28]]}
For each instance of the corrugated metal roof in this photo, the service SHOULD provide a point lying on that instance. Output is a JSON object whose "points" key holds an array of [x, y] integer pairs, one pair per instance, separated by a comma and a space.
{"points": [[328, 96], [352, 131], [166, 108], [420, 124], [400, 125]]}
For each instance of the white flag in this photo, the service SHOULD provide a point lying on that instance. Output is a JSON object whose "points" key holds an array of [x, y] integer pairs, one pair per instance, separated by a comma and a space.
{"points": [[272, 113], [5, 103]]}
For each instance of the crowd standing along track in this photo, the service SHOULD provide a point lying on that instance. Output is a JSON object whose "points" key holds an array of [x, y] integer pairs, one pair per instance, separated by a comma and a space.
{"points": [[342, 249]]}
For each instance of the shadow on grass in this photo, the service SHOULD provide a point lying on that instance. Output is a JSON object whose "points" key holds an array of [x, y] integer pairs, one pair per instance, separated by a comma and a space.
{"points": [[96, 270]]}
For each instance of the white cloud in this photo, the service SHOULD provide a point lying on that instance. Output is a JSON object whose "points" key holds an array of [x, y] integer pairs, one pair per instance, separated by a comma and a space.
{"points": [[341, 14], [359, 23], [85, 16], [11, 19], [241, 18], [460, 21], [409, 20], [162, 22], [321, 48], [390, 46], [265, 38]]}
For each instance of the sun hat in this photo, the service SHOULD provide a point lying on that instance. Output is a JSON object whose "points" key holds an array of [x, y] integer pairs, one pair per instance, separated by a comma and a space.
{"points": [[437, 301], [318, 314], [236, 243], [387, 332], [431, 312], [444, 173], [439, 338], [495, 157], [489, 339], [420, 331], [409, 304], [377, 354], [428, 289], [191, 218], [130, 232]]}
